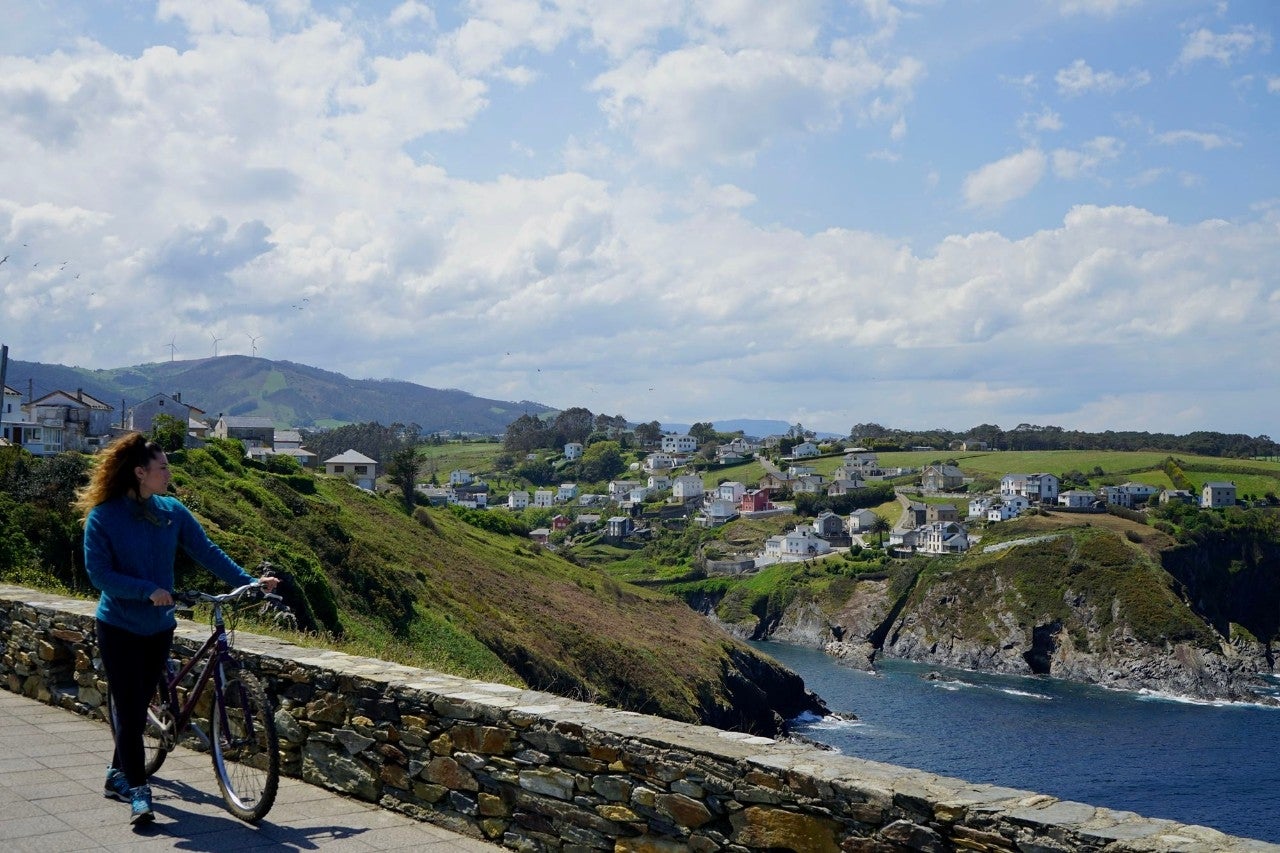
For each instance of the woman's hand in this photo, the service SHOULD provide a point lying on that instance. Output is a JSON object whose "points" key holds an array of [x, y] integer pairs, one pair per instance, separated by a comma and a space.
{"points": [[269, 582], [161, 598]]}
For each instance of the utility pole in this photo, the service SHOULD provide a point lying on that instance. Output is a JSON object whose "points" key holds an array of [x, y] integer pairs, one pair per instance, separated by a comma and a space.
{"points": [[4, 373]]}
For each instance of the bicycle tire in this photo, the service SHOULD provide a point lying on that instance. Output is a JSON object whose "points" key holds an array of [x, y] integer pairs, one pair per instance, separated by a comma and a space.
{"points": [[155, 746], [246, 748]]}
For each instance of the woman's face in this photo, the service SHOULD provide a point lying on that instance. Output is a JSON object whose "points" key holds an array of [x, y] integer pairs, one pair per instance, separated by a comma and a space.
{"points": [[153, 479]]}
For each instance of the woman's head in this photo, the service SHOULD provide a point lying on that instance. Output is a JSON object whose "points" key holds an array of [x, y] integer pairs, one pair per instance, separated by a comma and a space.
{"points": [[130, 464]]}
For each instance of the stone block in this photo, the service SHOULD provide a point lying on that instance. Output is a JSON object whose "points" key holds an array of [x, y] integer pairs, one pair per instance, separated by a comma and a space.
{"points": [[764, 827]]}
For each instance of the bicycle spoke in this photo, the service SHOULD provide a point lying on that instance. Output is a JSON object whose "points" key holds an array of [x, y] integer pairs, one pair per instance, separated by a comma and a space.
{"points": [[246, 752]]}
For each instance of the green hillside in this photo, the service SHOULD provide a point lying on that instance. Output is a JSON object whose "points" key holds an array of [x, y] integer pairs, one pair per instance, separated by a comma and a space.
{"points": [[292, 395], [432, 590]]}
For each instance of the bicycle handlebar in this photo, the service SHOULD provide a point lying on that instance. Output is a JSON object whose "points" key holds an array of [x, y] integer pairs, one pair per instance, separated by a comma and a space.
{"points": [[251, 591]]}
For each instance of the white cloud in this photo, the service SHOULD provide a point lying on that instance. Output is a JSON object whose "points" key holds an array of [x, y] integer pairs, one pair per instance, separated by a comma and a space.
{"points": [[1045, 120], [1103, 8], [1070, 164], [1223, 48], [1273, 85], [1078, 79], [411, 11], [996, 184], [704, 103], [1207, 141]]}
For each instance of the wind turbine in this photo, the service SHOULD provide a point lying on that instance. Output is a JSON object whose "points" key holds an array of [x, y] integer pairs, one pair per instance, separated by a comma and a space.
{"points": [[215, 343], [172, 346], [253, 342]]}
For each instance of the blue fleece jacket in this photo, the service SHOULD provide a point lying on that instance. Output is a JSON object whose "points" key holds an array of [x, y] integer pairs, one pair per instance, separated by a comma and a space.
{"points": [[129, 550]]}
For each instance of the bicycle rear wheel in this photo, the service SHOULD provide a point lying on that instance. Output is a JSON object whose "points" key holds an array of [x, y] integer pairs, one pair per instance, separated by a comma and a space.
{"points": [[246, 749], [158, 736]]}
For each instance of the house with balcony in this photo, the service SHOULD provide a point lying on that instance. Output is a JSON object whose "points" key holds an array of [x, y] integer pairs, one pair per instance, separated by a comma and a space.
{"points": [[1037, 488], [80, 417], [252, 431], [943, 537]]}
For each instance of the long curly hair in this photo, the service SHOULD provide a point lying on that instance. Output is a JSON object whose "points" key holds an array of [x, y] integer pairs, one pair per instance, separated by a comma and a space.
{"points": [[113, 476]]}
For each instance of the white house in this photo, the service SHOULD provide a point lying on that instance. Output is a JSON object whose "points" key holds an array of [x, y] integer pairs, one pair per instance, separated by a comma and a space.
{"points": [[1001, 512], [687, 487], [679, 443], [942, 537], [809, 484], [978, 506], [1076, 499], [720, 510], [731, 491], [362, 470], [1217, 494], [638, 495], [861, 459], [804, 449], [573, 450], [860, 520], [794, 471], [460, 477], [567, 492], [659, 461], [518, 499], [619, 488], [658, 482], [800, 542], [1037, 488], [544, 498]]}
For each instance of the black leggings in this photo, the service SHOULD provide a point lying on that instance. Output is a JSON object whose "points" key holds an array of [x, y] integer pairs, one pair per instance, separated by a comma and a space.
{"points": [[133, 664]]}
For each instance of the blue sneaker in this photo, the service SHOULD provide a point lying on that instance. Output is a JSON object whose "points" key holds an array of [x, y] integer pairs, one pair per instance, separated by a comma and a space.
{"points": [[140, 806], [116, 786]]}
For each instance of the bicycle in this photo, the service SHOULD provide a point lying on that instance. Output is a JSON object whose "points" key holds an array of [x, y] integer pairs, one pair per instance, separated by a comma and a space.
{"points": [[242, 738]]}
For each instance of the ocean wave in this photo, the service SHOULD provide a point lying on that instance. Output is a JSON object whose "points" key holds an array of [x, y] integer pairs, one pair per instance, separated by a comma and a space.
{"points": [[1026, 693], [1157, 696]]}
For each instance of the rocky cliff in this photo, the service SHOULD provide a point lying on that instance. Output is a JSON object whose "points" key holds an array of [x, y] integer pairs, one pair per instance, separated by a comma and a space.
{"points": [[1085, 604]]}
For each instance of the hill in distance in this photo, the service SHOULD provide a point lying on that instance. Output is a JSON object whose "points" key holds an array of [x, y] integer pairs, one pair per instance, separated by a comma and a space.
{"points": [[290, 394]]}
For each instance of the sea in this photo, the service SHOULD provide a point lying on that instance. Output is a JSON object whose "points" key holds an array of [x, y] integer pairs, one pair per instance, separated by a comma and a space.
{"points": [[1213, 764]]}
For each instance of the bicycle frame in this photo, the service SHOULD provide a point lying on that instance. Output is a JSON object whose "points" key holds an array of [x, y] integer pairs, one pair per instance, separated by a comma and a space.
{"points": [[216, 654]]}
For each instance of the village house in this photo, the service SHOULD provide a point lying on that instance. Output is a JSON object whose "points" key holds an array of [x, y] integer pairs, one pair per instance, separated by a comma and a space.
{"points": [[811, 484], [544, 498], [1217, 494], [541, 535], [731, 491], [774, 481], [828, 525], [619, 488], [941, 478], [518, 499], [1037, 488], [943, 537], [460, 477], [1178, 496], [861, 520], [679, 443], [573, 450], [659, 461], [935, 513], [728, 457], [755, 500], [978, 506], [804, 450], [719, 511], [799, 543], [84, 420], [620, 527], [915, 514], [659, 482], [561, 522], [794, 471], [1077, 499], [687, 487], [354, 466], [567, 492]]}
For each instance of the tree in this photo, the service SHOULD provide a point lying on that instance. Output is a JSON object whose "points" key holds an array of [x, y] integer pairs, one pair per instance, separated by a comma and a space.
{"points": [[573, 424], [650, 433], [601, 461], [880, 526], [402, 471], [526, 433], [169, 432], [704, 432]]}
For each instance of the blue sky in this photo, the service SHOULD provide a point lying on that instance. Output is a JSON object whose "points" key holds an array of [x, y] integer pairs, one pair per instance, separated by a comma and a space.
{"points": [[926, 213]]}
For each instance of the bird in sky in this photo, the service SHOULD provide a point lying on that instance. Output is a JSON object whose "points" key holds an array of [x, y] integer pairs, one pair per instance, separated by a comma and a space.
{"points": [[5, 258]]}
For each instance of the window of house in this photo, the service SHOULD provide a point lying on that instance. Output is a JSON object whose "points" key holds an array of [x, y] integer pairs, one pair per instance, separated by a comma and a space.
{"points": [[362, 469], [338, 469]]}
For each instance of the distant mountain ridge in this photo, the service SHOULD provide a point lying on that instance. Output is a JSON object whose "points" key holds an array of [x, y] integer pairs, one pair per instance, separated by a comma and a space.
{"points": [[752, 428], [290, 394]]}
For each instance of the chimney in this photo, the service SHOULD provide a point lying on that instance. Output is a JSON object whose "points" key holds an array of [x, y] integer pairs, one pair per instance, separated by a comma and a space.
{"points": [[177, 395]]}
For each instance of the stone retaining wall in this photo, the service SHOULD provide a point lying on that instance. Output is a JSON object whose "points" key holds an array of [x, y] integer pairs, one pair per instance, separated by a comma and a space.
{"points": [[536, 772]]}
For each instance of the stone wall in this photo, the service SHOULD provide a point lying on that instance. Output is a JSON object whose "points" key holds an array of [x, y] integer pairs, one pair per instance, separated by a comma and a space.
{"points": [[536, 772]]}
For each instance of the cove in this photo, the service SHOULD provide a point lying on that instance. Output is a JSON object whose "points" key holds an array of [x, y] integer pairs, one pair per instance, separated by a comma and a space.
{"points": [[1212, 764]]}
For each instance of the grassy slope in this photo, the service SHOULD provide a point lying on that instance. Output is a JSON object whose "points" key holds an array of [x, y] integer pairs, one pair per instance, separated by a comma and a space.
{"points": [[453, 597]]}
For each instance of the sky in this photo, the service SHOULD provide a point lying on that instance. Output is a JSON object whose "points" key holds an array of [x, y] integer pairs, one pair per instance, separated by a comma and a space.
{"points": [[922, 213]]}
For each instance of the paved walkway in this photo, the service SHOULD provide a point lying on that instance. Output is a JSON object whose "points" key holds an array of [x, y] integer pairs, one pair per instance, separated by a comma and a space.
{"points": [[52, 764]]}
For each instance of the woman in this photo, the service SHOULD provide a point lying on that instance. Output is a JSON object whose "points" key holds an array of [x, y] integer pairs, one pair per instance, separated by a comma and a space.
{"points": [[132, 533]]}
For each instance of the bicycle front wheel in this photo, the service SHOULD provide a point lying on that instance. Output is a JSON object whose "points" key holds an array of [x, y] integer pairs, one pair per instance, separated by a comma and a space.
{"points": [[246, 749]]}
